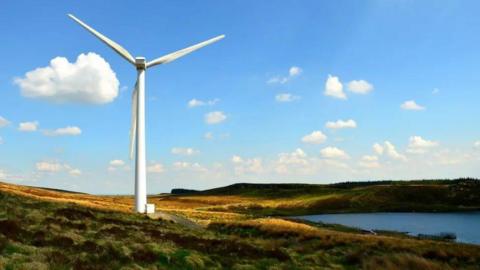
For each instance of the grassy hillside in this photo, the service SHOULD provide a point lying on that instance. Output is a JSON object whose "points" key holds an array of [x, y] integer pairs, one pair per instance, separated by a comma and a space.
{"points": [[38, 234], [48, 229], [302, 199]]}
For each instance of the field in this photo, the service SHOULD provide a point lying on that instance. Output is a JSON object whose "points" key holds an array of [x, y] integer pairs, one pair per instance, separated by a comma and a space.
{"points": [[48, 229]]}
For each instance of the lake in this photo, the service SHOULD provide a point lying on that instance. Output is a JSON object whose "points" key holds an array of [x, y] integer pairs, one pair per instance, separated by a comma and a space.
{"points": [[466, 225]]}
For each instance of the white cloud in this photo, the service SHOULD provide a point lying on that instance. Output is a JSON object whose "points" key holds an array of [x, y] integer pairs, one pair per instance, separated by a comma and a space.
{"points": [[246, 166], [75, 172], [418, 145], [187, 166], [292, 73], [28, 126], [294, 162], [117, 163], [3, 175], [3, 122], [48, 166], [360, 87], [391, 151], [378, 148], [155, 168], [334, 88], [316, 137], [184, 151], [89, 80], [286, 97], [341, 124], [412, 106], [334, 152], [369, 162], [215, 117], [54, 167], [476, 144], [197, 103], [66, 131]]}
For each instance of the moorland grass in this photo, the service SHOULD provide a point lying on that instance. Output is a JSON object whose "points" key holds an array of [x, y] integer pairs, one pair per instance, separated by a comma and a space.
{"points": [[79, 231]]}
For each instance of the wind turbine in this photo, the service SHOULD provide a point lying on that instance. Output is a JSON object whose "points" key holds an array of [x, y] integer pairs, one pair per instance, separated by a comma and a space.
{"points": [[137, 129]]}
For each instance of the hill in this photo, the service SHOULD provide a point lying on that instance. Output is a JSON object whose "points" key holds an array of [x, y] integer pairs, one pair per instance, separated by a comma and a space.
{"points": [[375, 196], [46, 229]]}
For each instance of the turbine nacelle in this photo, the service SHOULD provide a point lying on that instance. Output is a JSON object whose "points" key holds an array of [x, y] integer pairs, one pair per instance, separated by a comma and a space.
{"points": [[140, 62]]}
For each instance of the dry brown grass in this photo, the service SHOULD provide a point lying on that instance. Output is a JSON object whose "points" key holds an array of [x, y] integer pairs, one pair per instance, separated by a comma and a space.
{"points": [[116, 203], [401, 262]]}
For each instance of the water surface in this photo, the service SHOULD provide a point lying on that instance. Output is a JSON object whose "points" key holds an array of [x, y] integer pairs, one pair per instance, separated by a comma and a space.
{"points": [[466, 225]]}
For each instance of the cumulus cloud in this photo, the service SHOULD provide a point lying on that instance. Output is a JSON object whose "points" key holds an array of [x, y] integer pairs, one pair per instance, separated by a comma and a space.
{"points": [[334, 152], [418, 145], [117, 164], [316, 137], [216, 117], [369, 162], [197, 103], [3, 122], [28, 126], [286, 97], [54, 167], [155, 168], [294, 162], [360, 87], [187, 166], [292, 73], [88, 80], [66, 131], [184, 151], [391, 151], [341, 124], [75, 172], [334, 88], [48, 166], [246, 166], [411, 105], [378, 148]]}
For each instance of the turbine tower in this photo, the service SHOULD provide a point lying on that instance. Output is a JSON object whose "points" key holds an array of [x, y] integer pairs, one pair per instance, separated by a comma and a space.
{"points": [[137, 129]]}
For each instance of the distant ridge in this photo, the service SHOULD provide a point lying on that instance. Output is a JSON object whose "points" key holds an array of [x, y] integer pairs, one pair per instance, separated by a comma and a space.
{"points": [[246, 188]]}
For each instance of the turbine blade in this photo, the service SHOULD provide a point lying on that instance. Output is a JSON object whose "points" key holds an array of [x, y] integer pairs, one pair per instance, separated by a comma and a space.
{"points": [[133, 127], [173, 56], [110, 43]]}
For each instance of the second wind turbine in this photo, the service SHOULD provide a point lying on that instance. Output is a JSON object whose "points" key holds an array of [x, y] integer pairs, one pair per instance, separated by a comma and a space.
{"points": [[137, 130]]}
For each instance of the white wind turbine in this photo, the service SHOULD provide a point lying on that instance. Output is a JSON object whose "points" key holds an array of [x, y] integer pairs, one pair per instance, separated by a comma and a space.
{"points": [[137, 130]]}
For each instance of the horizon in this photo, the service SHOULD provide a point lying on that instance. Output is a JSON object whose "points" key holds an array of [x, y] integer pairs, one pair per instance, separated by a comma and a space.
{"points": [[320, 93]]}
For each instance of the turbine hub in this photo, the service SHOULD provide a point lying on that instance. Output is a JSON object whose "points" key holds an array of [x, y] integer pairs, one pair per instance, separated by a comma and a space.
{"points": [[140, 63]]}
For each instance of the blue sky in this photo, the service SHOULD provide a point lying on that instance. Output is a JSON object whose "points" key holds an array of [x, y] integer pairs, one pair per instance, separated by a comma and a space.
{"points": [[397, 79]]}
